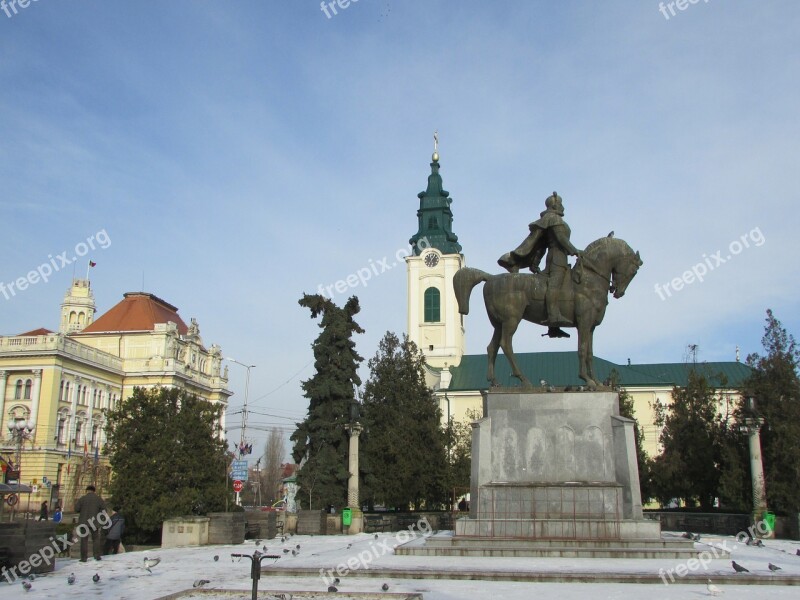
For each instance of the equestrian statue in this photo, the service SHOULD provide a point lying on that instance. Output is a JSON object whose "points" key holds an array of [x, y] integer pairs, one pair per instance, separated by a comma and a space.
{"points": [[557, 297]]}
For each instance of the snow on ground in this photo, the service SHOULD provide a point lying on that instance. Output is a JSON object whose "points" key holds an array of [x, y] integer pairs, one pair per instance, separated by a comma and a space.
{"points": [[123, 576]]}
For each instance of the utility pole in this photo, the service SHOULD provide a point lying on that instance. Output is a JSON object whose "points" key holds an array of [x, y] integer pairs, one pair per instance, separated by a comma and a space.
{"points": [[244, 412]]}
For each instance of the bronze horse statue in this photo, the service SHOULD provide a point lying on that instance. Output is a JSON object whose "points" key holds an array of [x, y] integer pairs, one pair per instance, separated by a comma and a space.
{"points": [[607, 265]]}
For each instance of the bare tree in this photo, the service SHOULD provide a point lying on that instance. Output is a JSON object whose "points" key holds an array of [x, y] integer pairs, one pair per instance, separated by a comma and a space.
{"points": [[272, 474]]}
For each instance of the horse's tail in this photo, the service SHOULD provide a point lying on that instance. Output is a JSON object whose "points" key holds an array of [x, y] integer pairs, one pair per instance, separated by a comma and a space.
{"points": [[463, 281]]}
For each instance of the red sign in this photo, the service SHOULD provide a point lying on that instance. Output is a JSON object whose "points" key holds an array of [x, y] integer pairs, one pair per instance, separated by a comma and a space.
{"points": [[238, 486]]}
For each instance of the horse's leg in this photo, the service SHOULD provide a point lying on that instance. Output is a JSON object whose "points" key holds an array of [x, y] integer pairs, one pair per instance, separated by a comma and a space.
{"points": [[509, 328], [590, 356], [491, 350], [585, 353]]}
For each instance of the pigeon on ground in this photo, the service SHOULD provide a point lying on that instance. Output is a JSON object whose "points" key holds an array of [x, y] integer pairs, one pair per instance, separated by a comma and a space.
{"points": [[759, 543], [298, 546], [216, 557], [31, 577], [332, 588], [96, 578], [712, 589], [71, 578], [27, 585], [798, 552], [286, 551], [336, 581], [739, 568], [687, 535], [349, 546], [258, 542], [283, 539], [294, 552], [376, 536], [385, 587], [149, 563], [200, 582], [773, 568]]}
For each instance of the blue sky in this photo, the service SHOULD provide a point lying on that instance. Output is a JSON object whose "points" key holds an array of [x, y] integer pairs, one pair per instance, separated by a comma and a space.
{"points": [[241, 153]]}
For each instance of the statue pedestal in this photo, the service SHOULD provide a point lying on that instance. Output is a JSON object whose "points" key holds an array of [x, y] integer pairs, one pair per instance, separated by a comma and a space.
{"points": [[555, 466]]}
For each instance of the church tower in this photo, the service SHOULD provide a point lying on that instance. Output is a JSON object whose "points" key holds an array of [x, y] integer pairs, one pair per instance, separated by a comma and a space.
{"points": [[77, 310], [434, 323]]}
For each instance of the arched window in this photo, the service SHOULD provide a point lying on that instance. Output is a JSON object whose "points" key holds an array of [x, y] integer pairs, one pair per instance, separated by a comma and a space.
{"points": [[432, 305], [61, 392], [81, 318], [61, 428], [28, 385], [67, 388], [18, 390], [73, 317]]}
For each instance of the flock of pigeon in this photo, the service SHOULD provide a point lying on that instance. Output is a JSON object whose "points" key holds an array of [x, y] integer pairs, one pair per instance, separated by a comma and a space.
{"points": [[714, 590], [147, 563]]}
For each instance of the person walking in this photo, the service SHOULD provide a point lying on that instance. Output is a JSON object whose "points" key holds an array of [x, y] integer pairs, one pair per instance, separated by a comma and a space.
{"points": [[43, 516], [114, 533], [89, 507]]}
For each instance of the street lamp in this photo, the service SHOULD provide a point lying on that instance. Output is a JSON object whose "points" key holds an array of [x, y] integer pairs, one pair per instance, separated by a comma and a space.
{"points": [[20, 431], [244, 409]]}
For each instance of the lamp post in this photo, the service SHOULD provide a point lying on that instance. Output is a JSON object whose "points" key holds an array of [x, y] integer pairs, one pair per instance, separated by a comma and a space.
{"points": [[752, 427], [20, 432], [244, 411]]}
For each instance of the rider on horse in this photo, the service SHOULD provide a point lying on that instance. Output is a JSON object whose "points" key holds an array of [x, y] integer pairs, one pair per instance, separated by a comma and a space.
{"points": [[548, 234]]}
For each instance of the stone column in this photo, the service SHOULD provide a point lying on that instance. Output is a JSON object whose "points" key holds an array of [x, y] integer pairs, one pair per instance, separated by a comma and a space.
{"points": [[357, 522], [3, 383], [756, 469], [35, 393]]}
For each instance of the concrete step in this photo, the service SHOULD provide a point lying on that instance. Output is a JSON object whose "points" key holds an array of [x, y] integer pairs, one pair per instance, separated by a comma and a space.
{"points": [[551, 551], [476, 542]]}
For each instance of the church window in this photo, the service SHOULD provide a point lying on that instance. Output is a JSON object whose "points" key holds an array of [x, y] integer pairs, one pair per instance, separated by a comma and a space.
{"points": [[432, 305], [18, 390], [28, 385], [433, 223]]}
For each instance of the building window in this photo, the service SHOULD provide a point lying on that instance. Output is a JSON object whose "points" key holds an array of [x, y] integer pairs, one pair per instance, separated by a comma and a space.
{"points": [[18, 390], [432, 305], [61, 429], [28, 385]]}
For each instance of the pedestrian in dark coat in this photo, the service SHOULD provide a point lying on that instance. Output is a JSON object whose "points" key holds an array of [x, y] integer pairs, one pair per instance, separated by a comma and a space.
{"points": [[92, 517], [114, 533]]}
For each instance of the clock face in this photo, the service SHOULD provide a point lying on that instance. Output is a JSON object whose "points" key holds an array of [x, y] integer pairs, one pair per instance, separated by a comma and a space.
{"points": [[431, 259]]}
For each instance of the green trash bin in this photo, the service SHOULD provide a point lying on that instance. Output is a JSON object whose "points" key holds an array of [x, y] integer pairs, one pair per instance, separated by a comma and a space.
{"points": [[769, 521], [347, 517]]}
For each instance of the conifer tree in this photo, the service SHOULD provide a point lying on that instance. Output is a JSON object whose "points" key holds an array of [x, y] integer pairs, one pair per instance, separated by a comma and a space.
{"points": [[404, 451], [692, 429], [321, 441], [167, 458], [775, 387]]}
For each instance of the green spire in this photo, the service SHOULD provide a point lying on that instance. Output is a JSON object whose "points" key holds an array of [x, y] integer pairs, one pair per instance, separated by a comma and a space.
{"points": [[435, 217]]}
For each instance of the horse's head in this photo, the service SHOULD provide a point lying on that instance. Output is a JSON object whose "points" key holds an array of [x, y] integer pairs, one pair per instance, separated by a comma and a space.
{"points": [[616, 257], [623, 272]]}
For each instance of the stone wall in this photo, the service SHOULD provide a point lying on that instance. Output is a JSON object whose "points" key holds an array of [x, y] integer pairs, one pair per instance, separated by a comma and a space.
{"points": [[26, 544]]}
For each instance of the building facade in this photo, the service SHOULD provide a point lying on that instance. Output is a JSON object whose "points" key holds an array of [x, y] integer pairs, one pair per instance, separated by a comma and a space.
{"points": [[61, 385]]}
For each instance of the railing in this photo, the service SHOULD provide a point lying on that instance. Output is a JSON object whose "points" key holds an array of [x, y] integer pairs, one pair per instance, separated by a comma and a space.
{"points": [[58, 343]]}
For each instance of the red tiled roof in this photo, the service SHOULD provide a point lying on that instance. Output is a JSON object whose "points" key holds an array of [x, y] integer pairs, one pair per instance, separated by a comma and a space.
{"points": [[35, 332], [138, 311]]}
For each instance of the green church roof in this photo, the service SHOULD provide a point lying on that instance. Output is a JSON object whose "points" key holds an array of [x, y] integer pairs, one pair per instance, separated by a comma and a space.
{"points": [[560, 369], [434, 217]]}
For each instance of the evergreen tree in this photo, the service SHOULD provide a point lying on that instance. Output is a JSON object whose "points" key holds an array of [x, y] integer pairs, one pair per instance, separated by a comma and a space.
{"points": [[404, 451], [167, 458], [775, 386], [459, 450], [692, 431], [321, 440]]}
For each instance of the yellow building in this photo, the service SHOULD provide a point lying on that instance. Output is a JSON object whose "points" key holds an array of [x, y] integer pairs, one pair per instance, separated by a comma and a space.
{"points": [[62, 383]]}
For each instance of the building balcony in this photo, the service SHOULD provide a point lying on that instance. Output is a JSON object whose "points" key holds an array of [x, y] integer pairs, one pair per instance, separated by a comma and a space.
{"points": [[57, 344]]}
